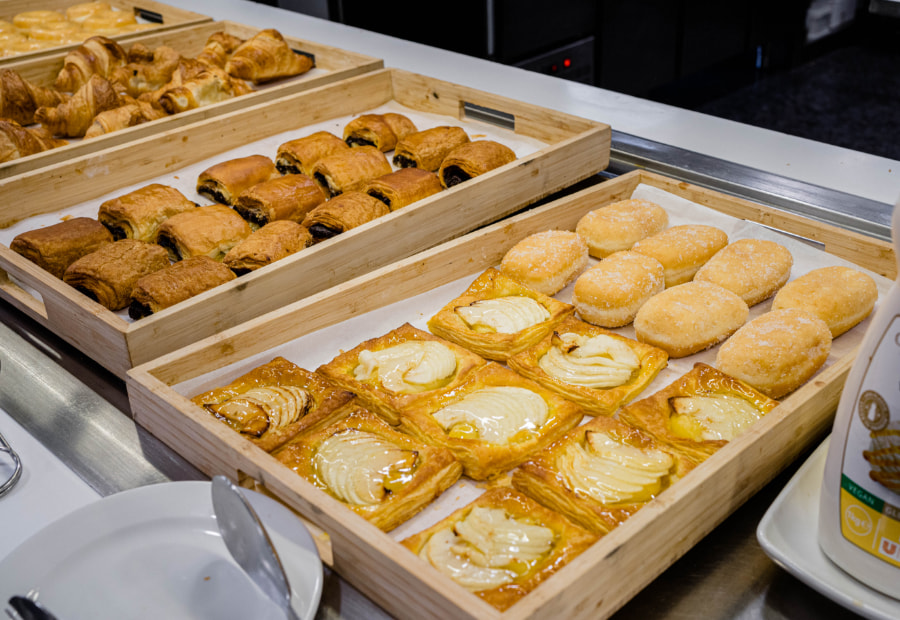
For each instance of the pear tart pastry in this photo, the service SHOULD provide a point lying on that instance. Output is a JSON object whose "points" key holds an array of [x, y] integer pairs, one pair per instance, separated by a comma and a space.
{"points": [[379, 130], [682, 250], [501, 546], [700, 412], [380, 474], [203, 231], [403, 187], [272, 242], [266, 56], [225, 181], [393, 371], [274, 402], [138, 214], [618, 226], [350, 170], [492, 421], [598, 369], [175, 283], [300, 155], [754, 269], [601, 473], [55, 247], [473, 159], [289, 197], [342, 213], [427, 149], [497, 317]]}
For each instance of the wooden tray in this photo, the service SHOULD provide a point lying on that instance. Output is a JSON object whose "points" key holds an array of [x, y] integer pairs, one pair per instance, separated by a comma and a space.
{"points": [[575, 149], [608, 574], [332, 65], [164, 15]]}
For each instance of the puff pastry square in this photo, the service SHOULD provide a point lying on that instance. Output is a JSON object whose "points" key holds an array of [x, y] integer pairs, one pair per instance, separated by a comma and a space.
{"points": [[601, 473], [380, 474], [700, 412], [498, 317], [598, 369], [393, 371], [492, 421], [501, 546], [274, 402]]}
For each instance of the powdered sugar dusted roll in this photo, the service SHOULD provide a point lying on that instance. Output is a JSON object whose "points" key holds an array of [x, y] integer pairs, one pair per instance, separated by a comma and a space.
{"points": [[682, 250], [546, 261], [620, 225], [752, 268], [610, 293]]}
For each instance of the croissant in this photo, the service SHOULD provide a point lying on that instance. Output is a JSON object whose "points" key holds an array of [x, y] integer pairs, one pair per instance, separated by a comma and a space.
{"points": [[146, 71], [218, 49], [73, 117], [17, 141], [210, 86], [266, 56], [124, 116], [98, 55], [184, 70], [19, 98]]}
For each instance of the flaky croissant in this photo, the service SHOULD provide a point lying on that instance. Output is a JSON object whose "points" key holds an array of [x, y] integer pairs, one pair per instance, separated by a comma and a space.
{"points": [[20, 99], [73, 117], [127, 115], [266, 56], [209, 86], [98, 55], [146, 71], [218, 49], [17, 141]]}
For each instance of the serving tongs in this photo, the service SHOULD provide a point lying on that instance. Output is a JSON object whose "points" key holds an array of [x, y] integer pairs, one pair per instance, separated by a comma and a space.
{"points": [[6, 486]]}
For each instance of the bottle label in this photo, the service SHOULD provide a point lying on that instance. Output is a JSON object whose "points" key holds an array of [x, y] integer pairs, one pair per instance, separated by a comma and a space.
{"points": [[870, 478]]}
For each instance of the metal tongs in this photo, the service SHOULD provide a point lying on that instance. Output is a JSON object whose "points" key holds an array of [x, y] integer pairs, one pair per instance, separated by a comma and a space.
{"points": [[17, 472]]}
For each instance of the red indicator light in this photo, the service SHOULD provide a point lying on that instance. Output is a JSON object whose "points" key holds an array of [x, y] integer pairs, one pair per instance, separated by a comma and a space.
{"points": [[554, 68], [567, 62]]}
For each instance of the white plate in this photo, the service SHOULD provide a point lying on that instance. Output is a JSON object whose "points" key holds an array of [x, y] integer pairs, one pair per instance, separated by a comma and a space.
{"points": [[788, 533], [156, 552]]}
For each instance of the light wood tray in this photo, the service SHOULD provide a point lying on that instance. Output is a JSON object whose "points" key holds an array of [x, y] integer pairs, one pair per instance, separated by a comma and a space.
{"points": [[575, 149], [332, 65], [607, 575]]}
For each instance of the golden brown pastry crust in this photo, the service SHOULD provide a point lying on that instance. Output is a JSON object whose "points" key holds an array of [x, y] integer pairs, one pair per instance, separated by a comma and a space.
{"points": [[373, 393], [653, 414], [225, 181], [122, 117], [108, 275], [20, 99], [492, 284], [266, 56], [98, 54], [472, 159], [777, 352], [840, 296], [72, 117], [751, 268], [542, 479], [203, 231], [300, 155], [610, 293], [595, 401], [138, 214], [427, 149], [682, 250], [289, 197], [147, 70], [435, 468], [218, 48], [270, 243], [53, 248], [403, 187], [175, 283], [342, 213], [208, 86], [546, 261], [350, 170], [485, 460], [690, 317], [379, 130], [324, 407], [618, 226], [569, 541], [17, 141]]}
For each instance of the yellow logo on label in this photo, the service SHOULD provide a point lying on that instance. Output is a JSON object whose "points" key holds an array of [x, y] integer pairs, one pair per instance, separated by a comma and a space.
{"points": [[857, 520]]}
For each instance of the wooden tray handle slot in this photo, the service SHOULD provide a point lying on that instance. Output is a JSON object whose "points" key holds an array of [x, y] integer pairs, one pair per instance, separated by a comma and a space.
{"points": [[150, 16], [489, 115], [27, 302]]}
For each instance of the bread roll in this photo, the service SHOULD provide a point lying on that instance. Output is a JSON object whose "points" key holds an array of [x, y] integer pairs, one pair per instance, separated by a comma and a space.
{"points": [[610, 293], [752, 268], [682, 250], [620, 225], [546, 261]]}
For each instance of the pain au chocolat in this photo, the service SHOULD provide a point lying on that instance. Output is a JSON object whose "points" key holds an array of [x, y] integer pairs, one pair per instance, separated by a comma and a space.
{"points": [[381, 131], [204, 231], [288, 197], [138, 214], [473, 159], [427, 149], [300, 155], [55, 247], [225, 181], [350, 170], [175, 283], [403, 187], [342, 213], [272, 242]]}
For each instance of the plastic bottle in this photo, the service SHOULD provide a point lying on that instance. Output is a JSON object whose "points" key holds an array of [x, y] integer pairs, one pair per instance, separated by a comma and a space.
{"points": [[859, 516]]}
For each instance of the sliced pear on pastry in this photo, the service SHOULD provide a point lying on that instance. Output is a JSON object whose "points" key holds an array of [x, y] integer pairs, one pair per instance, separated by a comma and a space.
{"points": [[709, 418], [409, 367], [496, 413], [593, 361], [503, 315], [260, 409]]}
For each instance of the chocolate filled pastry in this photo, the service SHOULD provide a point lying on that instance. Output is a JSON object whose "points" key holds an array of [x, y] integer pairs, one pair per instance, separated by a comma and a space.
{"points": [[601, 473], [382, 475], [598, 369], [546, 261], [138, 214], [501, 546], [752, 268], [393, 371], [225, 181], [379, 130], [202, 231], [272, 403], [427, 149], [109, 274], [472, 159], [682, 250], [300, 155], [618, 226], [289, 197], [700, 412], [492, 421], [610, 293], [266, 56], [175, 283], [403, 187], [53, 248], [270, 243], [342, 213], [349, 170], [497, 317]]}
